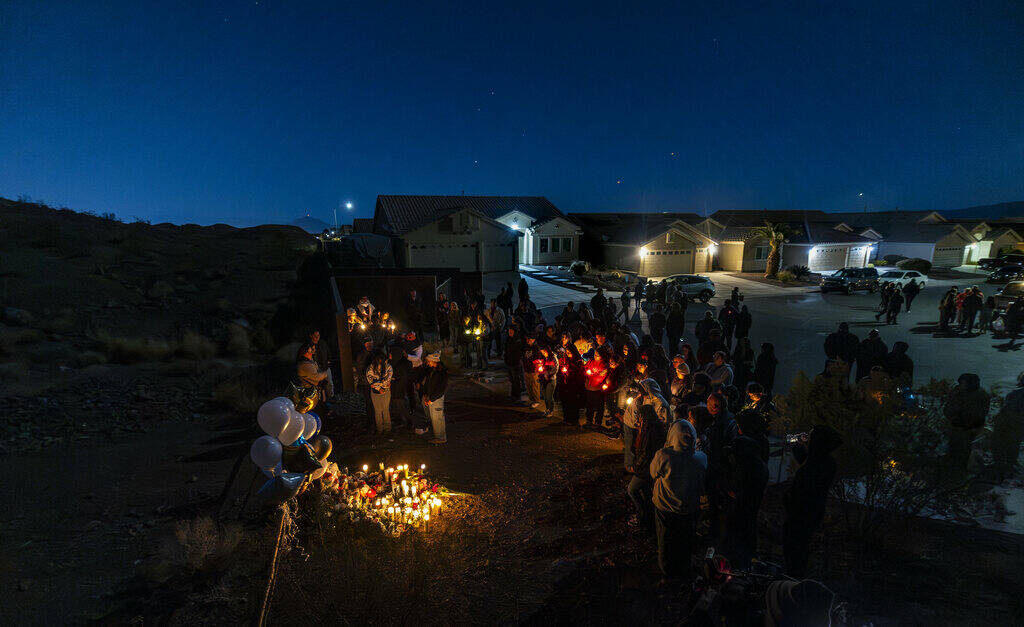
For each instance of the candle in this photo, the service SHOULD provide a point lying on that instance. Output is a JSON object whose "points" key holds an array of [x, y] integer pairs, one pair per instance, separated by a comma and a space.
{"points": [[426, 521], [406, 467], [365, 467], [423, 468], [405, 488], [413, 489]]}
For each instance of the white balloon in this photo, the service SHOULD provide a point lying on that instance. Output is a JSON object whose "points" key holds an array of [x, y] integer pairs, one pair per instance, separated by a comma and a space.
{"points": [[293, 430], [316, 474], [274, 416], [266, 452], [310, 423]]}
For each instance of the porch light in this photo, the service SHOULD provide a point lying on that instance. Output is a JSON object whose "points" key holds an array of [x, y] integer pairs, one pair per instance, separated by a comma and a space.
{"points": [[713, 248], [643, 251]]}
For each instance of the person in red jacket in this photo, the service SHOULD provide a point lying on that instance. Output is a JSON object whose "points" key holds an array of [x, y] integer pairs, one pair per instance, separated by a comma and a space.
{"points": [[548, 371], [597, 383]]}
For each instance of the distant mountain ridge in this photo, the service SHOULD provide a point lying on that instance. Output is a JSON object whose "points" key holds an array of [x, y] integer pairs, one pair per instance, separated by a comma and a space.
{"points": [[999, 211], [310, 224]]}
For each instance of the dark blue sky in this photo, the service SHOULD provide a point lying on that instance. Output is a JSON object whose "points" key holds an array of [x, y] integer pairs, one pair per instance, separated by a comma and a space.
{"points": [[250, 112]]}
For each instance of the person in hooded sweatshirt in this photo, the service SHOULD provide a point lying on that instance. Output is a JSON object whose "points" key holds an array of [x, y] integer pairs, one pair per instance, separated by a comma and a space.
{"points": [[749, 480], [679, 475], [650, 438], [804, 501], [872, 352]]}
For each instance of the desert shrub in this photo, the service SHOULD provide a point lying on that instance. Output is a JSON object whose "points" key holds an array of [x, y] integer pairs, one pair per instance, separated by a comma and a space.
{"points": [[206, 547], [236, 394], [800, 272], [891, 260], [195, 346], [891, 463], [785, 276], [238, 341], [129, 350], [579, 268], [921, 265]]}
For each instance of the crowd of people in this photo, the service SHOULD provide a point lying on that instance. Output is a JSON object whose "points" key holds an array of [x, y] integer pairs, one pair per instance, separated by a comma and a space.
{"points": [[693, 418]]}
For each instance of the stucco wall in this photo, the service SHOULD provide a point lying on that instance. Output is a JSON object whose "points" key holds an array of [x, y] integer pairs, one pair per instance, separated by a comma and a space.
{"points": [[730, 257]]}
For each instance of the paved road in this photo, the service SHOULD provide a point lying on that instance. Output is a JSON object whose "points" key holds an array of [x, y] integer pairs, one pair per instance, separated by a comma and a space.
{"points": [[797, 320]]}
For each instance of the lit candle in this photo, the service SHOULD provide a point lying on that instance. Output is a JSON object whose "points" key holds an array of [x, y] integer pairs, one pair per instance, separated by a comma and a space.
{"points": [[406, 467], [423, 468], [365, 467], [413, 489], [405, 488]]}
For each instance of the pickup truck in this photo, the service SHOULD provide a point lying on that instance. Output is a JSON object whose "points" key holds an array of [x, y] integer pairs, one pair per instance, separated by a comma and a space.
{"points": [[994, 263]]}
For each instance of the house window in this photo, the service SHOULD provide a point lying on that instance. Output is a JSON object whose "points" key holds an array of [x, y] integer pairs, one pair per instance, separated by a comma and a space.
{"points": [[761, 253], [555, 244], [567, 244], [543, 244]]}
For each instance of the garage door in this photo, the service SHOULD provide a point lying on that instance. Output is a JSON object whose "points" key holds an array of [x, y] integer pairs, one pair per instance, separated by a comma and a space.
{"points": [[701, 260], [666, 262], [857, 254], [948, 257], [461, 257], [827, 258]]}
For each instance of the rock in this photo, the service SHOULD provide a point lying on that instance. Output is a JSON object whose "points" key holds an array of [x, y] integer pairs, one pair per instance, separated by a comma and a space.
{"points": [[17, 317]]}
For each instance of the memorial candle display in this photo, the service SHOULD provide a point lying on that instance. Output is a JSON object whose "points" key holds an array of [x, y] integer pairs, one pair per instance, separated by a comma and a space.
{"points": [[396, 498]]}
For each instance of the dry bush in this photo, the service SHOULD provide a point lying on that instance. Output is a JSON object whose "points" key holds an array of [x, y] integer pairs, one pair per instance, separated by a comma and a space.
{"points": [[130, 350], [263, 341], [236, 394], [206, 546], [238, 341], [195, 346]]}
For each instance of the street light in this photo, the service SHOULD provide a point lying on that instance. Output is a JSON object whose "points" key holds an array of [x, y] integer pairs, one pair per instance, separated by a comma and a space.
{"points": [[348, 205]]}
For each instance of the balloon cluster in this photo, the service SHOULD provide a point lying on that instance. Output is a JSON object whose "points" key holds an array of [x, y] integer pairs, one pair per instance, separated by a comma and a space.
{"points": [[293, 453]]}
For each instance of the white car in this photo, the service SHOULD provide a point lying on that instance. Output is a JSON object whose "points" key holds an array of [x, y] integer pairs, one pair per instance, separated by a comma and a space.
{"points": [[695, 286], [902, 277]]}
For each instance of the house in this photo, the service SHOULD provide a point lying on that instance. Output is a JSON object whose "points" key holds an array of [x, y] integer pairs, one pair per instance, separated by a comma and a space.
{"points": [[451, 232], [652, 244], [362, 225], [916, 234], [815, 240], [990, 238]]}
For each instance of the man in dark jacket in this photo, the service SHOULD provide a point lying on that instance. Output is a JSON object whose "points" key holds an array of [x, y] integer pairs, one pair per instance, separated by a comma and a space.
{"points": [[656, 321], [704, 327], [910, 292], [678, 471], [872, 352], [947, 308], [524, 290], [514, 346], [743, 322], [749, 479], [842, 345], [649, 439], [727, 317], [895, 304], [807, 496], [598, 303], [966, 409], [972, 304], [414, 312], [432, 383], [899, 366], [720, 435]]}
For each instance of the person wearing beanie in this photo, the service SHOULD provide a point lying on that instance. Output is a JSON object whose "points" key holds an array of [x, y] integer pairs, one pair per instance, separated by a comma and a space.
{"points": [[432, 384], [678, 474]]}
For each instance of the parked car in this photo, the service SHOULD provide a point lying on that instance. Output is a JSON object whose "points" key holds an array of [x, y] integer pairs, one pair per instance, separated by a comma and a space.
{"points": [[694, 286], [849, 279], [1010, 292], [1007, 273], [993, 263], [902, 277]]}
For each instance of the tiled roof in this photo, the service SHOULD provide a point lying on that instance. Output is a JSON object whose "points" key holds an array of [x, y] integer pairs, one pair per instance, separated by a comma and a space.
{"points": [[362, 225], [913, 232], [400, 214], [629, 227]]}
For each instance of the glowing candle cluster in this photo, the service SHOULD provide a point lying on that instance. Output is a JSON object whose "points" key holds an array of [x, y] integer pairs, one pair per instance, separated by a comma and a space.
{"points": [[397, 497]]}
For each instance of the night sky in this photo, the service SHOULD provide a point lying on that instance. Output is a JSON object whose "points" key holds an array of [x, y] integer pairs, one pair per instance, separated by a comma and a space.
{"points": [[252, 112]]}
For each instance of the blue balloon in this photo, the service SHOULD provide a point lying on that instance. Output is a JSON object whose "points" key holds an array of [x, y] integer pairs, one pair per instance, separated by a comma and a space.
{"points": [[319, 424], [282, 487], [273, 472]]}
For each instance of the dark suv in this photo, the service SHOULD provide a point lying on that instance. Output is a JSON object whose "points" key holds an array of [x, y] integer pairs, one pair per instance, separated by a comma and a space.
{"points": [[994, 263], [849, 279]]}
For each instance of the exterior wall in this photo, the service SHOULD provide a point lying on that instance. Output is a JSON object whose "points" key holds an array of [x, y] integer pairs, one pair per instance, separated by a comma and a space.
{"points": [[793, 255], [430, 246], [749, 263], [620, 256], [1006, 240], [943, 257], [562, 230]]}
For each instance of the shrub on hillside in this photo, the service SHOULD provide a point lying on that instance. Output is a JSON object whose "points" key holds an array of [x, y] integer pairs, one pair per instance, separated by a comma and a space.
{"points": [[195, 346], [205, 546], [130, 350], [892, 461], [920, 265], [579, 268], [237, 395]]}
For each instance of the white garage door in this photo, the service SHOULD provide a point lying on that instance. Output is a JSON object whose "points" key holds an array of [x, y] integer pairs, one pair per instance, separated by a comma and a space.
{"points": [[827, 258], [666, 262], [461, 257], [948, 257], [857, 254], [700, 263]]}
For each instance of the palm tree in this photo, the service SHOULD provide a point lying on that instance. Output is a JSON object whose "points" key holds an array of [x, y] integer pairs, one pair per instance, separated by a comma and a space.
{"points": [[775, 234]]}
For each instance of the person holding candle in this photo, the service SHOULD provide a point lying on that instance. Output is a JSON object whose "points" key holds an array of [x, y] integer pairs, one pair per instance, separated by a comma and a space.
{"points": [[432, 385], [548, 378], [378, 376], [533, 365], [597, 384]]}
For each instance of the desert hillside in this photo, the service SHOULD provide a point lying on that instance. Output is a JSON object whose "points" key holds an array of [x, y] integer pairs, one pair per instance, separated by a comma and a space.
{"points": [[94, 307]]}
